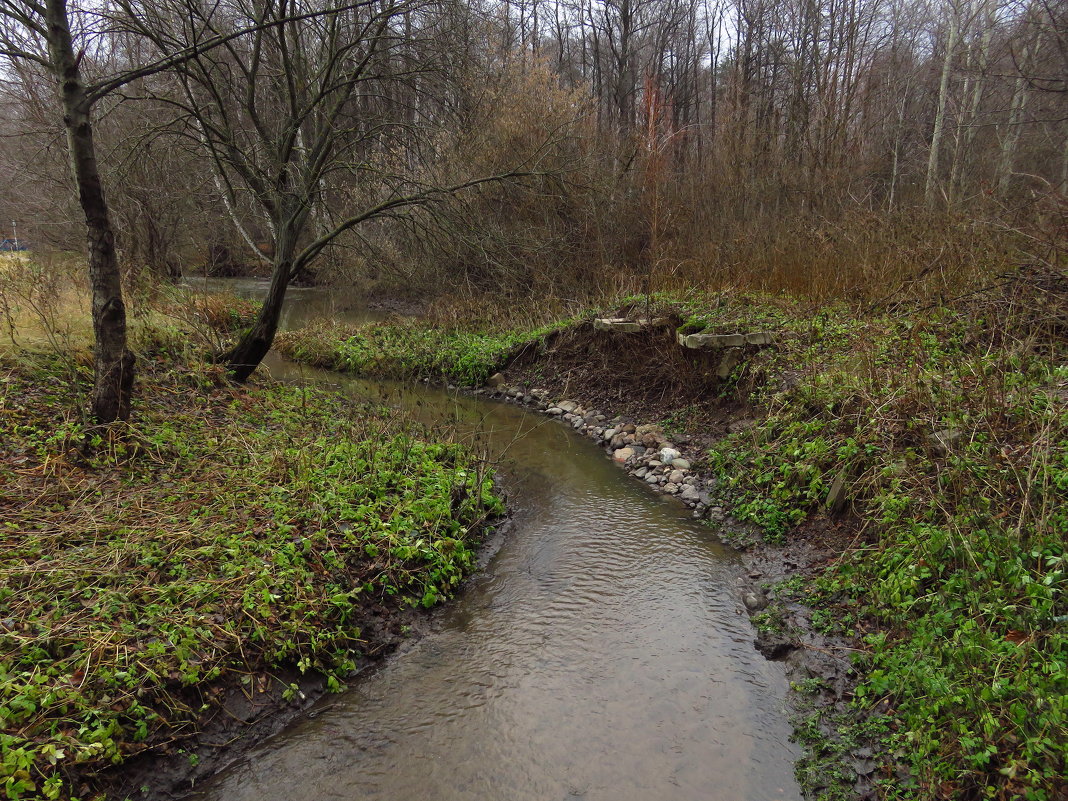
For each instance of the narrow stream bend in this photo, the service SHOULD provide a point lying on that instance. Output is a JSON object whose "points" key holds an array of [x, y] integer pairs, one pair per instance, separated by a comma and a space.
{"points": [[602, 655]]}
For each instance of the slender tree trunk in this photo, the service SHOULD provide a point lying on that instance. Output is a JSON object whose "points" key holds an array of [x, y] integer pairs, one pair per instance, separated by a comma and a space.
{"points": [[243, 359], [113, 363], [931, 189], [1011, 140]]}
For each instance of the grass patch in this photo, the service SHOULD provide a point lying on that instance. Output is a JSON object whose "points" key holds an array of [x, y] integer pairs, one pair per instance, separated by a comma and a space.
{"points": [[228, 531], [390, 350]]}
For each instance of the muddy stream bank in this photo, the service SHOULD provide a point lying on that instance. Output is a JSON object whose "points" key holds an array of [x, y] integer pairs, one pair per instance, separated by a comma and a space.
{"points": [[602, 653]]}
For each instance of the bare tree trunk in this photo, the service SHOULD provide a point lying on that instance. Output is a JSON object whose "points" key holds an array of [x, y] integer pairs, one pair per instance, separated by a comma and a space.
{"points": [[1010, 142], [243, 359], [931, 189], [113, 363]]}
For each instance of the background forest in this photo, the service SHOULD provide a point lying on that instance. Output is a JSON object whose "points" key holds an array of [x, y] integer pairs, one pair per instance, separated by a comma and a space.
{"points": [[831, 147]]}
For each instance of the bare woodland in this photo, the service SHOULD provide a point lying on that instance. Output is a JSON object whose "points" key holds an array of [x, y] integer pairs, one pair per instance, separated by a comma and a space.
{"points": [[820, 146]]}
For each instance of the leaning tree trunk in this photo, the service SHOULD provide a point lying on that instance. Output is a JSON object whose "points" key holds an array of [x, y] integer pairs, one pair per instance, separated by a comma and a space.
{"points": [[246, 355], [113, 363]]}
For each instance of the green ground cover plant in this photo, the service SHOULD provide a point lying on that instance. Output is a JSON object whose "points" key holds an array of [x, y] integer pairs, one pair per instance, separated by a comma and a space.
{"points": [[227, 532], [950, 431], [411, 350]]}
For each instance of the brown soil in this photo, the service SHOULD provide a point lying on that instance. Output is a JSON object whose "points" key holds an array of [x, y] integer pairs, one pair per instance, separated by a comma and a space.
{"points": [[645, 376]]}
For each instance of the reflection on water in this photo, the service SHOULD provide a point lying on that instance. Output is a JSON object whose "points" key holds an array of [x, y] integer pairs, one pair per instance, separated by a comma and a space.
{"points": [[601, 655]]}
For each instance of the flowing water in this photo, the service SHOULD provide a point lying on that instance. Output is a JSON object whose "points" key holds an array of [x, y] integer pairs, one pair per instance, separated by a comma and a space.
{"points": [[601, 655]]}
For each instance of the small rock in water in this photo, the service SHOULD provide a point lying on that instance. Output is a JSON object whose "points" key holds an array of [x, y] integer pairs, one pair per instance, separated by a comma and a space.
{"points": [[641, 472], [555, 410], [622, 455], [754, 601]]}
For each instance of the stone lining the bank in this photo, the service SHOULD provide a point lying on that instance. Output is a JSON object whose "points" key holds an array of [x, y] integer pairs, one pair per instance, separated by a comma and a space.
{"points": [[644, 451]]}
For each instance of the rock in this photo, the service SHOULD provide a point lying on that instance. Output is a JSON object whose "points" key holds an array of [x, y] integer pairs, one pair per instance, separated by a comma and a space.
{"points": [[836, 496], [617, 325], [628, 438], [655, 463], [676, 477], [717, 514], [496, 380], [609, 433], [691, 480], [618, 441], [944, 441], [755, 600], [540, 394], [592, 417], [652, 478], [641, 472], [650, 440], [671, 488], [639, 451], [681, 464], [554, 410], [568, 405], [668, 454], [622, 455], [712, 341], [706, 499], [628, 428], [760, 338], [690, 493], [730, 360]]}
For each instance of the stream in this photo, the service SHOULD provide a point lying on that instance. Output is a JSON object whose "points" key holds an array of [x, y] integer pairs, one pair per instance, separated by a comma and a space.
{"points": [[602, 654]]}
